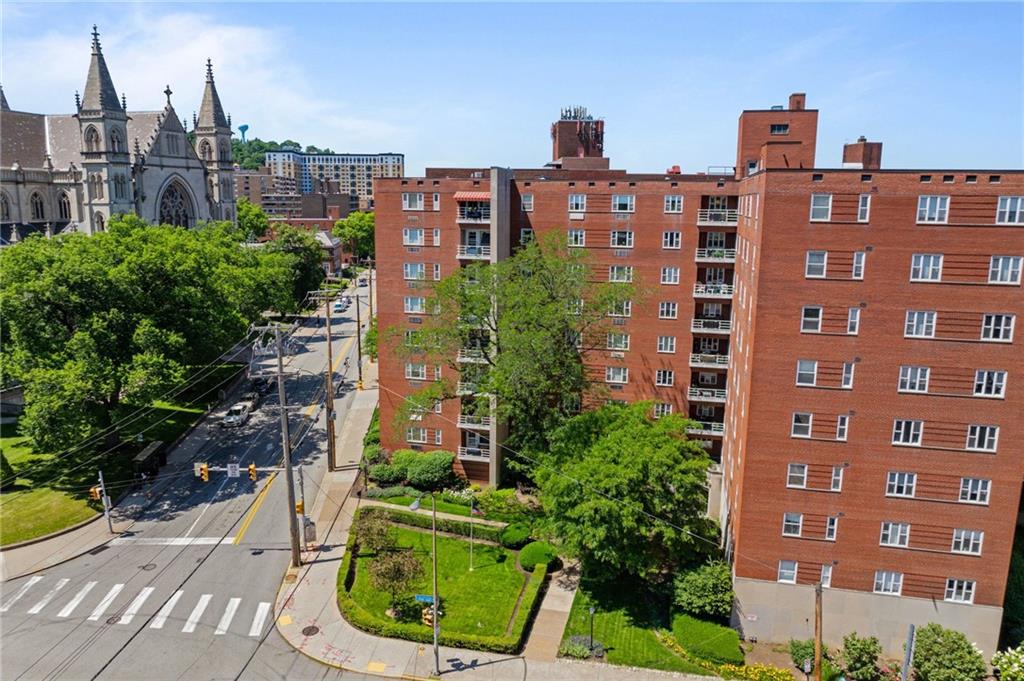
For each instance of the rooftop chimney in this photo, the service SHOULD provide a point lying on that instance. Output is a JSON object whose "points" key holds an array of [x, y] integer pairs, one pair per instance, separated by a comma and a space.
{"points": [[863, 154], [577, 140], [797, 101]]}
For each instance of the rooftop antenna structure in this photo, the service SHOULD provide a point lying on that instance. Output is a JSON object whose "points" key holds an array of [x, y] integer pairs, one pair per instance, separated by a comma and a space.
{"points": [[242, 129]]}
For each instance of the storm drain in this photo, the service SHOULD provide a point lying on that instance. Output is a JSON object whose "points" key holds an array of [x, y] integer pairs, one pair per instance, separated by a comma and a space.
{"points": [[148, 566], [311, 630]]}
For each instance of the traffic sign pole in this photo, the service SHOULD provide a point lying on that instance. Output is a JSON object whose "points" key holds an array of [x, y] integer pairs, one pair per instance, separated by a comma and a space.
{"points": [[106, 504]]}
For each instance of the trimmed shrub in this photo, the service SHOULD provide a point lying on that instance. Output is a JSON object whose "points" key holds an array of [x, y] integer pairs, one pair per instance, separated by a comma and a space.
{"points": [[575, 651], [373, 454], [430, 471], [706, 591], [386, 474], [402, 458], [942, 654], [860, 657], [707, 640], [388, 492], [515, 535], [535, 553], [460, 527], [372, 436], [503, 504], [462, 497]]}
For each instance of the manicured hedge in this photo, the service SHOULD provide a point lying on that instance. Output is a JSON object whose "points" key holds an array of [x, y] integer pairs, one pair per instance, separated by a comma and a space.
{"points": [[515, 535], [536, 552], [480, 531]]}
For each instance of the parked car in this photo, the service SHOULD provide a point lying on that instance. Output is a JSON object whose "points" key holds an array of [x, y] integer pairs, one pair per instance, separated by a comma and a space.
{"points": [[254, 398], [239, 412], [362, 281]]}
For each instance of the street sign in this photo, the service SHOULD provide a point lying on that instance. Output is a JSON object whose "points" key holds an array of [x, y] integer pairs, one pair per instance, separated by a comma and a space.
{"points": [[196, 467], [424, 598], [232, 470], [807, 666]]}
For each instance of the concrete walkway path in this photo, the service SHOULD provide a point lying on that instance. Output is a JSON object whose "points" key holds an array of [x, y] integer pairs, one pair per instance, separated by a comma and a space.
{"points": [[553, 615]]}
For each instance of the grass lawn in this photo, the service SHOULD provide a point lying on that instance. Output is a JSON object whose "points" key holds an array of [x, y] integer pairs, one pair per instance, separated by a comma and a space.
{"points": [[477, 602], [51, 494], [624, 624], [707, 640], [442, 506]]}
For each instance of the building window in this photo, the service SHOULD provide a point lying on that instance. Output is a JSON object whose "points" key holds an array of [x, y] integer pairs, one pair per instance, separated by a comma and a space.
{"points": [[667, 310], [853, 321], [932, 208], [831, 528], [437, 271], [527, 203], [412, 236], [967, 541], [846, 382], [622, 239], [707, 378], [525, 236], [801, 426], [1004, 269], [779, 128], [890, 583], [664, 378], [826, 576], [621, 309], [674, 204], [618, 375], [982, 438], [864, 208], [914, 379], [836, 484], [437, 237], [413, 271], [858, 264], [806, 372], [577, 203], [974, 490], [618, 341], [667, 344], [1011, 210], [926, 267], [63, 207], [623, 203], [662, 409], [796, 475], [416, 372], [989, 383], [415, 305], [960, 590], [671, 240], [997, 327], [577, 238], [622, 274], [37, 210], [821, 207], [816, 263], [907, 432], [920, 324], [900, 484], [842, 425], [416, 435], [437, 202], [787, 571], [895, 534], [810, 320], [412, 201], [92, 139], [669, 275], [792, 524], [708, 346]]}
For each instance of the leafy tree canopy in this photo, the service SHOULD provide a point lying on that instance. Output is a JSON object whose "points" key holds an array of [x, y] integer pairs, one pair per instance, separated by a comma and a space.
{"points": [[356, 233], [942, 654], [706, 591], [251, 219]]}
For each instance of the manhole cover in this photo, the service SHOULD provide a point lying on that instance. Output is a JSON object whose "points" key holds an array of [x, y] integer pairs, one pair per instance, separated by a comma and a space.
{"points": [[148, 566], [310, 630], [114, 619]]}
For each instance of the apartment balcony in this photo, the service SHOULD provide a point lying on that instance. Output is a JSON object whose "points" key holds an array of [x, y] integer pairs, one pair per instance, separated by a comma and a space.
{"points": [[718, 217], [699, 361], [467, 388], [721, 291], [474, 422], [474, 454], [474, 252], [716, 255], [714, 395], [707, 428], [479, 214], [472, 355], [715, 326]]}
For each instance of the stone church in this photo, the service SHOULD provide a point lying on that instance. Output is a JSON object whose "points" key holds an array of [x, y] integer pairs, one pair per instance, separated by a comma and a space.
{"points": [[72, 172]]}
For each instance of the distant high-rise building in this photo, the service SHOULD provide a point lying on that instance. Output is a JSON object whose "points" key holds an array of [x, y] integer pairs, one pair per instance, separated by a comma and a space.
{"points": [[354, 173]]}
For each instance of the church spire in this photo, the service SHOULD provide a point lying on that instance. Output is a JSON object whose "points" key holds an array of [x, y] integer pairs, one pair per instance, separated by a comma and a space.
{"points": [[211, 113], [4, 106], [100, 94]]}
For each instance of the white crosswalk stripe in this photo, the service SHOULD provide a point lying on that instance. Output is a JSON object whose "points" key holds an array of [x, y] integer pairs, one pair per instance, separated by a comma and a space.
{"points": [[48, 597], [197, 612], [76, 601], [19, 593], [135, 606], [165, 612], [259, 618], [229, 614], [105, 603]]}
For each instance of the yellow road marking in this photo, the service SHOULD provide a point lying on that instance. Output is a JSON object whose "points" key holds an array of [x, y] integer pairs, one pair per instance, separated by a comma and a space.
{"points": [[284, 620], [255, 507], [341, 356]]}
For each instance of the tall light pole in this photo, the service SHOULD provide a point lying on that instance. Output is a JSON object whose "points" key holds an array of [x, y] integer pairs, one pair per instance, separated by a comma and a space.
{"points": [[328, 297], [359, 339], [433, 550]]}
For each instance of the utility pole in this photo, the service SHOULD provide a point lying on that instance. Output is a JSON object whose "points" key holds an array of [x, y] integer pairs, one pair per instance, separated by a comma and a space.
{"points": [[328, 298], [286, 445], [817, 632], [433, 546], [359, 340], [908, 655], [302, 491], [369, 280], [106, 504]]}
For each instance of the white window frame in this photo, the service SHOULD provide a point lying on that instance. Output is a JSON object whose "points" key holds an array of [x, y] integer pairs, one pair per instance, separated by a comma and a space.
{"points": [[994, 377], [623, 310], [1010, 210], [925, 320], [913, 379], [975, 487], [664, 378], [668, 310], [577, 203], [967, 542], [827, 207], [623, 203], [629, 238], [796, 471], [412, 201], [896, 480], [576, 238], [407, 236], [617, 341], [831, 527], [413, 374], [982, 438], [804, 319], [616, 375], [793, 426], [933, 209], [894, 534], [671, 240], [410, 268], [667, 344], [410, 308], [525, 235], [888, 583], [437, 236], [437, 271], [662, 409], [672, 278], [859, 259], [864, 208], [926, 267], [846, 380], [959, 590], [842, 427], [620, 274], [673, 203], [813, 371], [790, 520], [527, 203], [811, 269], [826, 576], [853, 321], [836, 483], [788, 570], [1005, 265], [416, 435], [907, 432], [989, 329]]}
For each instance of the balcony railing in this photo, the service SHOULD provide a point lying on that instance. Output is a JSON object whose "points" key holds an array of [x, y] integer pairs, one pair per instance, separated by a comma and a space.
{"points": [[474, 454], [709, 361], [713, 290], [475, 214], [716, 255], [474, 252], [707, 428], [706, 394], [718, 216], [475, 355], [474, 421], [467, 388], [711, 325]]}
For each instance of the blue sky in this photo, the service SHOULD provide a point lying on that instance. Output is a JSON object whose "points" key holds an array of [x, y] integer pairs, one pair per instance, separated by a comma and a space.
{"points": [[942, 85]]}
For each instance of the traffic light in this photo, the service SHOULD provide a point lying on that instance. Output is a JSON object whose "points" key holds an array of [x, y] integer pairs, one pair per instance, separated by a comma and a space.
{"points": [[204, 472], [300, 507], [252, 472], [94, 493]]}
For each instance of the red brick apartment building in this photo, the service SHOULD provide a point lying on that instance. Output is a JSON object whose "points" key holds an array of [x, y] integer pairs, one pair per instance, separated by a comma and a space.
{"points": [[844, 338]]}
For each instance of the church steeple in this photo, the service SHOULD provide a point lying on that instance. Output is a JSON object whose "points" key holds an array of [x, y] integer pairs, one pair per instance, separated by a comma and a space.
{"points": [[4, 106], [100, 94], [211, 113]]}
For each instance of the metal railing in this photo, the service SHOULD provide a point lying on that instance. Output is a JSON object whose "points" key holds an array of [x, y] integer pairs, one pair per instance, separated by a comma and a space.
{"points": [[713, 290], [706, 394], [708, 428], [716, 255], [474, 252], [472, 355], [718, 216], [714, 325], [475, 213], [474, 453], [700, 360], [474, 421]]}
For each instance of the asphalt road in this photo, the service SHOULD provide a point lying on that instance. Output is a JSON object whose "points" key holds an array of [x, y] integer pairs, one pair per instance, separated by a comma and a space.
{"points": [[189, 594]]}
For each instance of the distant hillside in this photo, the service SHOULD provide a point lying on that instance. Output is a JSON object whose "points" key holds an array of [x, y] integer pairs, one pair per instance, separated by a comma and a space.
{"points": [[249, 154]]}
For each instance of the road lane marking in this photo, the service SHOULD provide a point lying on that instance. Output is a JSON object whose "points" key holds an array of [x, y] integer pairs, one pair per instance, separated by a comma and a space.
{"points": [[225, 619], [135, 606], [259, 618], [165, 612], [344, 353], [48, 597], [197, 612], [105, 603], [21, 592], [76, 601], [208, 503], [252, 511], [172, 541]]}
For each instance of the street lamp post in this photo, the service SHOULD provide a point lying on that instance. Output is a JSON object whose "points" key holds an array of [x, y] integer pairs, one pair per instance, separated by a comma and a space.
{"points": [[592, 611], [433, 550]]}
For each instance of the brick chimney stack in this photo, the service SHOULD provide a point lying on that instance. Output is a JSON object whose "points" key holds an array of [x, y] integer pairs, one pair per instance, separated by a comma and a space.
{"points": [[797, 101], [863, 154]]}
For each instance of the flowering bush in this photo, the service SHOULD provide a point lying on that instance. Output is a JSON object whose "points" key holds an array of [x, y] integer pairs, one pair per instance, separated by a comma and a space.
{"points": [[748, 672], [1010, 664]]}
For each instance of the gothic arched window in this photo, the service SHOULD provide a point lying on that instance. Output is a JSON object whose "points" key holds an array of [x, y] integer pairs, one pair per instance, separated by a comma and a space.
{"points": [[96, 186], [98, 220], [92, 139], [176, 206], [121, 187], [35, 202], [5, 208], [64, 207], [205, 151], [116, 143], [225, 151]]}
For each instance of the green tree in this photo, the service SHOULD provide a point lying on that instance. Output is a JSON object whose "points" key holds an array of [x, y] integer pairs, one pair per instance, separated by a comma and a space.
{"points": [[706, 591], [860, 657], [942, 654], [371, 340], [627, 493], [304, 257], [394, 572], [374, 531], [357, 233], [251, 154], [251, 219]]}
